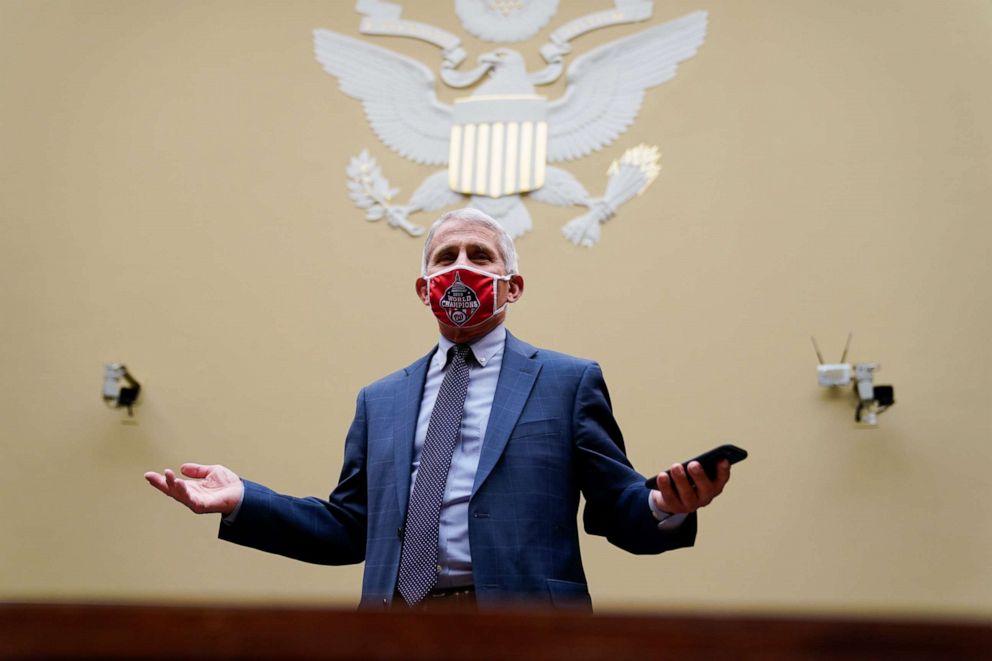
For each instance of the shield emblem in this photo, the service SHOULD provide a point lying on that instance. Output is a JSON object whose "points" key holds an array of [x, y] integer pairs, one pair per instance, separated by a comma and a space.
{"points": [[499, 144]]}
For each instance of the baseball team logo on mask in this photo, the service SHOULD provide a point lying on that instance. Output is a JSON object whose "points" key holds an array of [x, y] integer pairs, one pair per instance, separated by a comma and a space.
{"points": [[464, 297]]}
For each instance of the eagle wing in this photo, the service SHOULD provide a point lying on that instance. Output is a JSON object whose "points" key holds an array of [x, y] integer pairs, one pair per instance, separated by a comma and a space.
{"points": [[606, 85], [396, 91]]}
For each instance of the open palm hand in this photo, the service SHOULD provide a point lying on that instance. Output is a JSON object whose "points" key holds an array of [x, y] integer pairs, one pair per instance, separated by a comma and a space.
{"points": [[215, 489]]}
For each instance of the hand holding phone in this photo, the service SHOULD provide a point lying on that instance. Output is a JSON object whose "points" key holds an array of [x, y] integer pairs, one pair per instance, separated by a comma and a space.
{"points": [[708, 460]]}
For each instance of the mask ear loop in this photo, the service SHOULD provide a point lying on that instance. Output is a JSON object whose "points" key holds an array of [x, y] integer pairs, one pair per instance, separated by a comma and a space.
{"points": [[427, 289], [496, 280]]}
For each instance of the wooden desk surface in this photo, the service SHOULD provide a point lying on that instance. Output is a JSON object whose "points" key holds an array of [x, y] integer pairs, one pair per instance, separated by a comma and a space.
{"points": [[78, 631]]}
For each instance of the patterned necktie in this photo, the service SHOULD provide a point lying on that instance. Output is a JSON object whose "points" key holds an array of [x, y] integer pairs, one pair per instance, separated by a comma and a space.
{"points": [[418, 562]]}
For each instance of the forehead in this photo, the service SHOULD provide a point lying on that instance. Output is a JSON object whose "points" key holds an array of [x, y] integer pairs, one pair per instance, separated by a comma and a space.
{"points": [[458, 233]]}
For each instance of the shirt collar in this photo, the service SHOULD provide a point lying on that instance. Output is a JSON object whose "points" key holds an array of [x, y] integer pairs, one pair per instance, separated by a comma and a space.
{"points": [[483, 349]]}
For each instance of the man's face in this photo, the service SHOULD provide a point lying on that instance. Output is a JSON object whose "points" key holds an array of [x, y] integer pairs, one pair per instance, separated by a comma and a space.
{"points": [[460, 243]]}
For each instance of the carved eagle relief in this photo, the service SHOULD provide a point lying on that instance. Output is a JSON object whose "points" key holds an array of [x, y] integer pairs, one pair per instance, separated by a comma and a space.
{"points": [[498, 143]]}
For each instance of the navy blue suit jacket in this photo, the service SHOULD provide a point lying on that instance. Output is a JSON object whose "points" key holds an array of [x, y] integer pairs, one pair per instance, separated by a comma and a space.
{"points": [[551, 435]]}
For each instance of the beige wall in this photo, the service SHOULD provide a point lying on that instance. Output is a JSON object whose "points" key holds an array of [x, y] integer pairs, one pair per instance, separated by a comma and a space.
{"points": [[172, 196]]}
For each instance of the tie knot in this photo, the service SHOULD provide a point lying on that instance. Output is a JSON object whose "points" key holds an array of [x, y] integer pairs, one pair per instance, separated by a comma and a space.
{"points": [[463, 351]]}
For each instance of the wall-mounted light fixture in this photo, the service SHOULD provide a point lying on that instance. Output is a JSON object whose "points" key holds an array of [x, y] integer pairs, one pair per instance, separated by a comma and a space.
{"points": [[120, 390], [872, 399]]}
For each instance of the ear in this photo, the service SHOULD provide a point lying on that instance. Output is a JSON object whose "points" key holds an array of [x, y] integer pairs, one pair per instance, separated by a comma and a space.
{"points": [[514, 288], [423, 293]]}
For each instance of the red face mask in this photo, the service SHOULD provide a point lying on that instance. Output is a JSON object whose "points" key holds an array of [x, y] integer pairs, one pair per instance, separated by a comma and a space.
{"points": [[464, 297]]}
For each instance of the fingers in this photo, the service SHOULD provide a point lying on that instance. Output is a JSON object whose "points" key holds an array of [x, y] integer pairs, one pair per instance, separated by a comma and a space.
{"points": [[707, 489], [167, 483], [157, 480], [185, 496], [677, 495], [177, 488], [669, 499], [687, 493], [723, 473]]}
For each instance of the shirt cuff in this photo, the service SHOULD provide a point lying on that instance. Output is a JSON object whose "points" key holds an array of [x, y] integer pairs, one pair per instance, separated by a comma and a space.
{"points": [[229, 518], [666, 521]]}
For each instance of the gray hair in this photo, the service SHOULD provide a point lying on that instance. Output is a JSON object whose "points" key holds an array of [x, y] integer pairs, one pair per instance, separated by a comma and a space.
{"points": [[507, 251]]}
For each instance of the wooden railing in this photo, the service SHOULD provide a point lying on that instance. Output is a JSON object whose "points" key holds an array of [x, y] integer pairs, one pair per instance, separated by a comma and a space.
{"points": [[77, 631]]}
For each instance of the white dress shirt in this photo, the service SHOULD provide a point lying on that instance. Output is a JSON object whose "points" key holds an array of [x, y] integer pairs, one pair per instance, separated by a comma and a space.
{"points": [[454, 553]]}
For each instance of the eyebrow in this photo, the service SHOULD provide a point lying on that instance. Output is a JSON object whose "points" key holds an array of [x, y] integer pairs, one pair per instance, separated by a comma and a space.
{"points": [[472, 246]]}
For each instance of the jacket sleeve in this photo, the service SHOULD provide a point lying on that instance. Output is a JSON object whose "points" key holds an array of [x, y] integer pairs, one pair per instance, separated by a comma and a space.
{"points": [[616, 498], [328, 532]]}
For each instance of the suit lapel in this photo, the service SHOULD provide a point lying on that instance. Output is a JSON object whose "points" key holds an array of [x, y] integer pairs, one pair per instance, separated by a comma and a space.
{"points": [[516, 379], [407, 398]]}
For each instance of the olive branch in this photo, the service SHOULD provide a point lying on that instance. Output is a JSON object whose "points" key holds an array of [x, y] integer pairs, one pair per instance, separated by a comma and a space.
{"points": [[370, 190]]}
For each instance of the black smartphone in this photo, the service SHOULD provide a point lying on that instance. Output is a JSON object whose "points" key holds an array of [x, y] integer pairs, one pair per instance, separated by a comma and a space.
{"points": [[708, 460]]}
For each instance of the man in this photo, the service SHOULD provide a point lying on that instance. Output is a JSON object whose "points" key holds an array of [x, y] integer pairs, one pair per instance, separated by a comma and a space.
{"points": [[462, 472]]}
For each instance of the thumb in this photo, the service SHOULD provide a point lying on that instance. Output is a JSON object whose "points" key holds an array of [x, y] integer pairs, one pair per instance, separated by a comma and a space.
{"points": [[195, 470]]}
